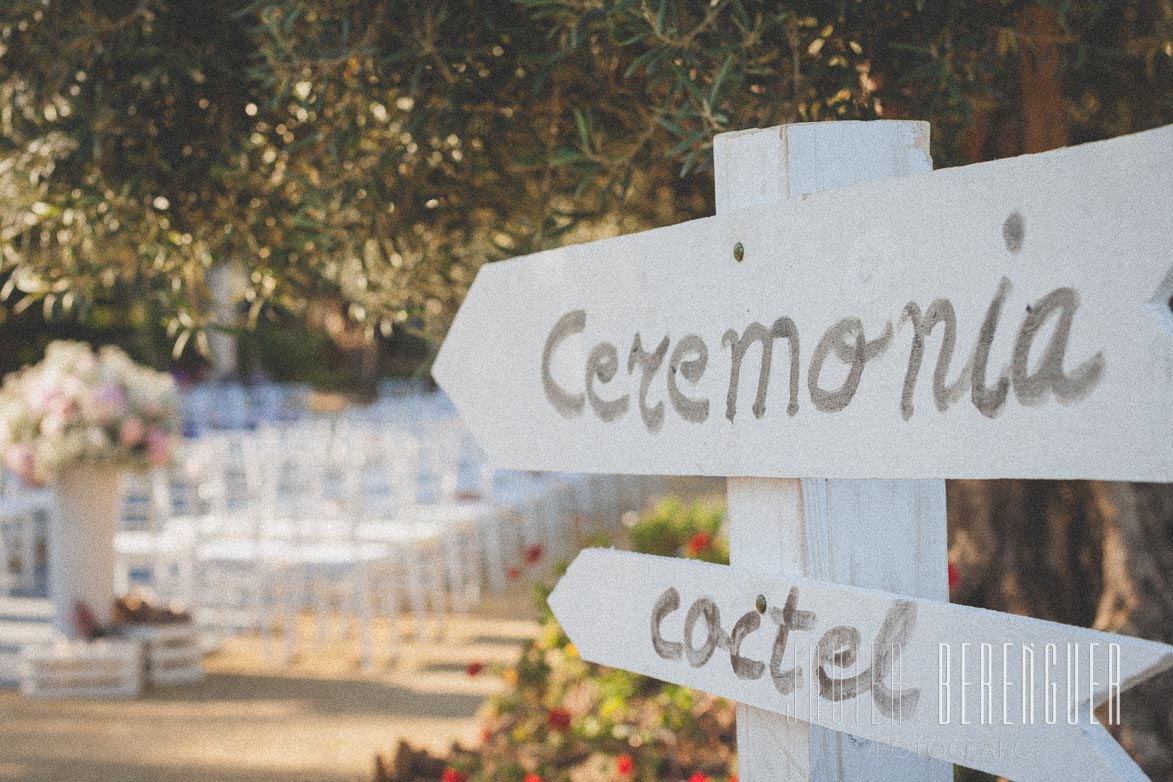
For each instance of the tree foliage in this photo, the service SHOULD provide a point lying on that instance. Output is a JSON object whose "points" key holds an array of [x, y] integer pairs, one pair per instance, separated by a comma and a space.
{"points": [[379, 152]]}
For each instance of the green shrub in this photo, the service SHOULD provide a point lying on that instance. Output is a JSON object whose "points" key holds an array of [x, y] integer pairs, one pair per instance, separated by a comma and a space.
{"points": [[565, 719], [676, 529]]}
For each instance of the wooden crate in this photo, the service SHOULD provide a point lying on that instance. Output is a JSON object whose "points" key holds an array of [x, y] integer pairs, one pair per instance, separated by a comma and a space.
{"points": [[107, 668], [172, 652]]}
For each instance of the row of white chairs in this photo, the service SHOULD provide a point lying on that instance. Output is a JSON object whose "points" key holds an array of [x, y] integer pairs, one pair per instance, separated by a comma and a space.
{"points": [[354, 521], [269, 512], [224, 405]]}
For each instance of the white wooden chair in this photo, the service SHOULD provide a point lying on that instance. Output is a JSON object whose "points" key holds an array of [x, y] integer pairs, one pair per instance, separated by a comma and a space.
{"points": [[17, 545], [334, 572], [148, 540], [25, 512], [389, 518], [305, 547], [8, 579], [236, 583]]}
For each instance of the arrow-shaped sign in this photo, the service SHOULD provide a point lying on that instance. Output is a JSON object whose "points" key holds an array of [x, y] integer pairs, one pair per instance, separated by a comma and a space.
{"points": [[1007, 319], [1004, 694]]}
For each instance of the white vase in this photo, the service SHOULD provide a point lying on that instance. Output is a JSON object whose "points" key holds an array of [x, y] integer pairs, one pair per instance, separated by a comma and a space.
{"points": [[81, 543]]}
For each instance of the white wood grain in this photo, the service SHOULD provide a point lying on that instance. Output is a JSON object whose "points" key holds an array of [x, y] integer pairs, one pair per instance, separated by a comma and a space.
{"points": [[606, 603], [1097, 219], [883, 534], [766, 538], [888, 535], [765, 515]]}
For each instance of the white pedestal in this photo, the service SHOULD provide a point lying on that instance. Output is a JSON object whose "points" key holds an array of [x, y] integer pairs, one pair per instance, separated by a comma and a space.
{"points": [[81, 543]]}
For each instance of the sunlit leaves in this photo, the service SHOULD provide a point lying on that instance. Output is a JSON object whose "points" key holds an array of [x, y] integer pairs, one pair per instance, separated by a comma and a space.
{"points": [[380, 152]]}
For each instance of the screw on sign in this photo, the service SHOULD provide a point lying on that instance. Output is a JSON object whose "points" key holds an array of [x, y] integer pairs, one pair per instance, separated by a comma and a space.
{"points": [[1001, 320]]}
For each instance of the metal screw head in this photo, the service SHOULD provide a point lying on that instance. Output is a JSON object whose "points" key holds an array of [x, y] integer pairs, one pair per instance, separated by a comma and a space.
{"points": [[761, 604], [738, 252]]}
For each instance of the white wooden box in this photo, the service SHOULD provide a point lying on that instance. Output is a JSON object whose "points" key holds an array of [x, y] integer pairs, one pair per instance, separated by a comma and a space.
{"points": [[107, 668], [172, 652]]}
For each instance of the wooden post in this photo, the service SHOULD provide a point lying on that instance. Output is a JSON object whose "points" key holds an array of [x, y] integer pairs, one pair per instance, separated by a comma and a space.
{"points": [[881, 534]]}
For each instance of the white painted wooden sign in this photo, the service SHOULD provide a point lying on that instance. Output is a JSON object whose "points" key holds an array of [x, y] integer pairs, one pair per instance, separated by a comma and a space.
{"points": [[1007, 319], [1004, 694], [1010, 319]]}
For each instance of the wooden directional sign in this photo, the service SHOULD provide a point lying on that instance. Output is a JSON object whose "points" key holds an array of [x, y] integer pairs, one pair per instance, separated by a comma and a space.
{"points": [[1004, 694], [1007, 319]]}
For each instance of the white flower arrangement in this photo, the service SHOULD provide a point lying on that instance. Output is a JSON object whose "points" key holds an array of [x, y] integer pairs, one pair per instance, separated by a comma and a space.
{"points": [[80, 406]]}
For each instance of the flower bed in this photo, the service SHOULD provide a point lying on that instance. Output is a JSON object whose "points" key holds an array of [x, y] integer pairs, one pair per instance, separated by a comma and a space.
{"points": [[566, 719]]}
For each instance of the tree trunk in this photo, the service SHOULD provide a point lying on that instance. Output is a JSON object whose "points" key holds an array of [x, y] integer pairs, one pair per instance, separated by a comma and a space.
{"points": [[1085, 553], [1039, 36]]}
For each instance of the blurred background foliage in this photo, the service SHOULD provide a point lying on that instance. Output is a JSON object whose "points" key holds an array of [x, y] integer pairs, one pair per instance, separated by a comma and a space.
{"points": [[372, 155], [561, 718]]}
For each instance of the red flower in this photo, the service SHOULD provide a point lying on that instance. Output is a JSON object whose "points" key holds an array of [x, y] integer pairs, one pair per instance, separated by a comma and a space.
{"points": [[513, 574], [533, 553], [954, 576], [486, 734], [732, 778], [532, 778], [475, 667], [698, 777], [624, 764], [85, 623], [700, 542], [452, 775], [558, 718]]}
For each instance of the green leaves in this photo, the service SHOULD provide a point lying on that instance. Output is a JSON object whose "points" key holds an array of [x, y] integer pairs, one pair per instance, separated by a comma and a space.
{"points": [[674, 528], [292, 136]]}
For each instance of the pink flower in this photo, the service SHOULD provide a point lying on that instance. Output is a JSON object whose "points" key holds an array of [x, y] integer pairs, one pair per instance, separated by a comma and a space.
{"points": [[53, 423], [558, 719], [132, 432], [43, 396], [158, 448], [22, 460], [110, 402]]}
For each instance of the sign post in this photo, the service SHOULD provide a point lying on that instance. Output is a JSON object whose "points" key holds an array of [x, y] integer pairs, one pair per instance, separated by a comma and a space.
{"points": [[1003, 320], [883, 534]]}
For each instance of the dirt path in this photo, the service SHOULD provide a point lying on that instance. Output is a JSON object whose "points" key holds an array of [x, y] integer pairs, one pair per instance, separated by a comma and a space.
{"points": [[322, 719]]}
